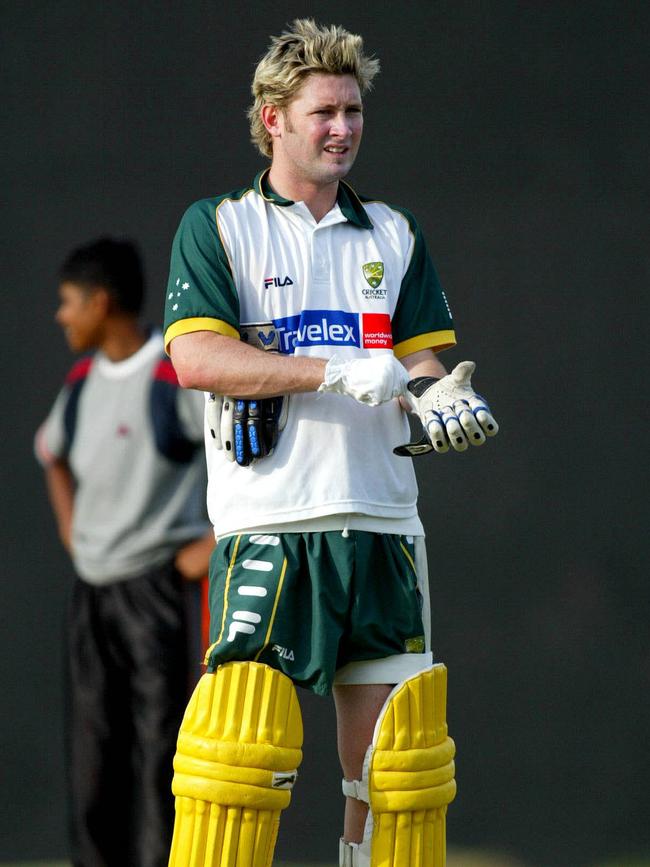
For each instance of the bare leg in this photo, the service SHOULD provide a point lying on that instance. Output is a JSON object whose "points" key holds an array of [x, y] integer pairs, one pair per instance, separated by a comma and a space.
{"points": [[357, 709]]}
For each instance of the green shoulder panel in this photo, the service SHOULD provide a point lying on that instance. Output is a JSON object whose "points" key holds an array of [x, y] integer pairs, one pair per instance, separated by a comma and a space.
{"points": [[422, 318], [201, 286]]}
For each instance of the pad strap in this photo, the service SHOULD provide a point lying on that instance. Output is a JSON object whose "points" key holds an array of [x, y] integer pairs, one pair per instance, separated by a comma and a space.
{"points": [[355, 789], [352, 855]]}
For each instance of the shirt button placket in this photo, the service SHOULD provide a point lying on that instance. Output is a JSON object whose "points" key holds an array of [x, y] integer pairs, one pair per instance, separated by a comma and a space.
{"points": [[319, 262]]}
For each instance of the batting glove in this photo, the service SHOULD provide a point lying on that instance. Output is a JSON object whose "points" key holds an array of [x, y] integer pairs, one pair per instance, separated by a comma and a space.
{"points": [[451, 412], [369, 380], [246, 430]]}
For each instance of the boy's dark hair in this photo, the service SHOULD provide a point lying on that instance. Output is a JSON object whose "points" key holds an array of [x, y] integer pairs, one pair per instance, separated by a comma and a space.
{"points": [[112, 264]]}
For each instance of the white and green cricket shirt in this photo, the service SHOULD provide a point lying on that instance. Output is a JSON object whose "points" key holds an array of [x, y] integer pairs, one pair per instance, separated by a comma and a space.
{"points": [[255, 266]]}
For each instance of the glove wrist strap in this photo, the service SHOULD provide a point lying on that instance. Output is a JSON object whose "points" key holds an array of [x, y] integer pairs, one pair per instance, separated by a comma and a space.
{"points": [[420, 384]]}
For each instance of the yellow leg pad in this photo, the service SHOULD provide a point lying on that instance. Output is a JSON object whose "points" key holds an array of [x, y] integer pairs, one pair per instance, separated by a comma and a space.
{"points": [[238, 750], [411, 774]]}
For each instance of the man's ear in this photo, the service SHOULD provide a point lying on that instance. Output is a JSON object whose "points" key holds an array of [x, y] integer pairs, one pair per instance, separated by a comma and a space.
{"points": [[102, 301], [272, 119]]}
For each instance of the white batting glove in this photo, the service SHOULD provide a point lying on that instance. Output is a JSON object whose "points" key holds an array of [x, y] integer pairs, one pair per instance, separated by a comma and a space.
{"points": [[451, 412], [369, 380]]}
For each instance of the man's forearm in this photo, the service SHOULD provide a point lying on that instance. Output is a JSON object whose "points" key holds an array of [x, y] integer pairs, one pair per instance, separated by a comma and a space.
{"points": [[424, 363], [60, 488], [212, 362], [193, 559]]}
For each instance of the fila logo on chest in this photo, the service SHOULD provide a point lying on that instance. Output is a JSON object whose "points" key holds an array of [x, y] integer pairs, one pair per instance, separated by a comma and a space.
{"points": [[277, 281]]}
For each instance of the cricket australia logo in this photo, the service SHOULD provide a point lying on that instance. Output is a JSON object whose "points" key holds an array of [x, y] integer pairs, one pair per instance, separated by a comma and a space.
{"points": [[374, 273]]}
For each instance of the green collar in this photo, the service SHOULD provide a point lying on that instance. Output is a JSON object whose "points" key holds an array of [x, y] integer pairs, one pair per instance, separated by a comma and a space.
{"points": [[346, 199], [263, 187]]}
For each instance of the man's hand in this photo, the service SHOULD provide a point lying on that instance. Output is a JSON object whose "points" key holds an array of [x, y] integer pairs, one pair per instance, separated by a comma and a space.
{"points": [[246, 430], [369, 380], [193, 559], [451, 412]]}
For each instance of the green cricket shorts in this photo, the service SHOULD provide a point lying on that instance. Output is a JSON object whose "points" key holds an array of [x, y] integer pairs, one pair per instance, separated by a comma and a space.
{"points": [[322, 608]]}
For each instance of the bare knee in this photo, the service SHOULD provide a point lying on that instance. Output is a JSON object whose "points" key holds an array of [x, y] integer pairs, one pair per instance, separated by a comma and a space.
{"points": [[357, 709]]}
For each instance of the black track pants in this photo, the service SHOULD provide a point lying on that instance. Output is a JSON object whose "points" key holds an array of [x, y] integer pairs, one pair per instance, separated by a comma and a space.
{"points": [[128, 678]]}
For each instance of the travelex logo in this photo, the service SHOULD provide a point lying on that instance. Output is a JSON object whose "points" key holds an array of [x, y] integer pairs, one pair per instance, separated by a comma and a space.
{"points": [[333, 328]]}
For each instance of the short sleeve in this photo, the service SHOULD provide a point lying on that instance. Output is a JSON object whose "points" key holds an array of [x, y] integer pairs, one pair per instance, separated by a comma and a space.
{"points": [[50, 442], [422, 318], [201, 293]]}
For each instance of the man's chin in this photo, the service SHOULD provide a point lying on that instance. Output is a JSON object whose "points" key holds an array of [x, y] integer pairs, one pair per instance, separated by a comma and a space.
{"points": [[332, 173], [77, 346]]}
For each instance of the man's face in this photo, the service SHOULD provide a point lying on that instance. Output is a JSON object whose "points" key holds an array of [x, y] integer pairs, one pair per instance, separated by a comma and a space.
{"points": [[81, 314], [320, 129]]}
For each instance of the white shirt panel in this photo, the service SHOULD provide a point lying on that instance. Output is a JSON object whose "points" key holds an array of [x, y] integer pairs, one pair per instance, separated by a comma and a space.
{"points": [[305, 282]]}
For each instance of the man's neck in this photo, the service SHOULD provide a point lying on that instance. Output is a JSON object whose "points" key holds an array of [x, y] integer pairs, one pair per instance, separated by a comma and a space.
{"points": [[123, 337], [320, 199]]}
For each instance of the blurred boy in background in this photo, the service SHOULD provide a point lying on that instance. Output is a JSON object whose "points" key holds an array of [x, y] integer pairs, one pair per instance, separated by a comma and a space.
{"points": [[122, 450]]}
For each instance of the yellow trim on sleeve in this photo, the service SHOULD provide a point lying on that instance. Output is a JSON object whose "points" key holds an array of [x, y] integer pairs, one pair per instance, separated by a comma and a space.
{"points": [[436, 340], [198, 323]]}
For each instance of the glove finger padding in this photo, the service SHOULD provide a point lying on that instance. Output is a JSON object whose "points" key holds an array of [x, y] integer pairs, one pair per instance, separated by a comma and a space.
{"points": [[219, 415], [451, 412], [274, 419], [469, 423], [483, 416], [453, 429], [260, 433], [434, 427], [246, 430], [241, 432]]}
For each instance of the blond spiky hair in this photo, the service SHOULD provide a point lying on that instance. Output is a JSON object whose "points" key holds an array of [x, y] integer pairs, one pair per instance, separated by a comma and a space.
{"points": [[300, 51]]}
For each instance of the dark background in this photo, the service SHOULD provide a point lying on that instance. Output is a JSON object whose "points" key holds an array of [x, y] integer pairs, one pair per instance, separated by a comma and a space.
{"points": [[518, 134]]}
